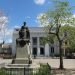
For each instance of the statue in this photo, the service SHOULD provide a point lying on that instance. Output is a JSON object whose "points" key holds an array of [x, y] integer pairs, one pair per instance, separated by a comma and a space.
{"points": [[23, 46], [24, 36]]}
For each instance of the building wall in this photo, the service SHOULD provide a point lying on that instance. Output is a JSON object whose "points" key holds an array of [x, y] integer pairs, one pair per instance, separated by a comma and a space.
{"points": [[0, 47], [36, 32], [15, 35]]}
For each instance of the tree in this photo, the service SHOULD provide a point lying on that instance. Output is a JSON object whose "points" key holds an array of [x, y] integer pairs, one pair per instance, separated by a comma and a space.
{"points": [[54, 19], [70, 37], [3, 25]]}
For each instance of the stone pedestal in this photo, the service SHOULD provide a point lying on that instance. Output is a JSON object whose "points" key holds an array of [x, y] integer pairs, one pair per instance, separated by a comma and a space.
{"points": [[22, 56], [22, 53], [21, 61]]}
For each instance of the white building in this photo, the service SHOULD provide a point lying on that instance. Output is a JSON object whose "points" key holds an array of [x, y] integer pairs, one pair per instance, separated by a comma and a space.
{"points": [[38, 49]]}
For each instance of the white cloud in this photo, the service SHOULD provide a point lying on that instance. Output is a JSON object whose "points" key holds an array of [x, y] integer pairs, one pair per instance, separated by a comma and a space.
{"points": [[9, 40], [6, 36], [5, 32], [3, 22], [39, 2], [74, 15], [27, 17], [9, 32], [1, 41], [42, 20], [16, 26]]}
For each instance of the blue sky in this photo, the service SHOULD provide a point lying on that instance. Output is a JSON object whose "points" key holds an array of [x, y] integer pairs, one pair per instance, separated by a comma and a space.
{"points": [[22, 10], [19, 11]]}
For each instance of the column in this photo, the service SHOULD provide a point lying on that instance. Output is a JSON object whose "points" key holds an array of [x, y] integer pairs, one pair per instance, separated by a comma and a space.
{"points": [[30, 45], [46, 49], [14, 45], [29, 50], [38, 47]]}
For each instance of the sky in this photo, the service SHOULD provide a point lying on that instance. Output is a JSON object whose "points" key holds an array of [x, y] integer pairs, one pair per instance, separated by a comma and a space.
{"points": [[19, 11]]}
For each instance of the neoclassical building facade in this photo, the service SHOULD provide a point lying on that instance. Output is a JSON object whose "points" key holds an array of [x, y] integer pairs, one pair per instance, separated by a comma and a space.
{"points": [[37, 48]]}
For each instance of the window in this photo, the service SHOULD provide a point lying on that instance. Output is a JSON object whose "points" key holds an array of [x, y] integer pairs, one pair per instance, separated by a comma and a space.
{"points": [[42, 52], [52, 49], [34, 40], [34, 51]]}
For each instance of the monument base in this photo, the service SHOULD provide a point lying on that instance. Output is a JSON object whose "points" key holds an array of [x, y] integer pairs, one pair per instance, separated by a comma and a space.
{"points": [[22, 52], [22, 55], [20, 61]]}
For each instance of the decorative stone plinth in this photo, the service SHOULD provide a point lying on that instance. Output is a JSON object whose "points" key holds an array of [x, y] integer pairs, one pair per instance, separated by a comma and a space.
{"points": [[22, 52]]}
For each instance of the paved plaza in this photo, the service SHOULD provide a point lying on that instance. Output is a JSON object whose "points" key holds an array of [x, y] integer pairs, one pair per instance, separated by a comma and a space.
{"points": [[54, 63], [68, 63], [4, 62]]}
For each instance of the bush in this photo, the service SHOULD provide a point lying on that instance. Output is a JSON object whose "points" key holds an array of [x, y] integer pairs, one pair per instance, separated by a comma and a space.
{"points": [[3, 72], [44, 70]]}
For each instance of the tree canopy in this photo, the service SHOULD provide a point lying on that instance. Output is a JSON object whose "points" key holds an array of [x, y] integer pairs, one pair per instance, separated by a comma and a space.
{"points": [[60, 23], [3, 25], [59, 19]]}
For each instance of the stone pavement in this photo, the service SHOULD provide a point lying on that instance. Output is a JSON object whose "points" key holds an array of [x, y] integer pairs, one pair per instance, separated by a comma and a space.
{"points": [[54, 63], [3, 62], [69, 64], [63, 72]]}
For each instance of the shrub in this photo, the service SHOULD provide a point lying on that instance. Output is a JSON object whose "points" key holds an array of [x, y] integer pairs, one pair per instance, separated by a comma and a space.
{"points": [[44, 70]]}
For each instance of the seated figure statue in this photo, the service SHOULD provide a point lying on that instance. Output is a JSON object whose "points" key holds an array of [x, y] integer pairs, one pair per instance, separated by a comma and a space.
{"points": [[24, 35], [22, 31]]}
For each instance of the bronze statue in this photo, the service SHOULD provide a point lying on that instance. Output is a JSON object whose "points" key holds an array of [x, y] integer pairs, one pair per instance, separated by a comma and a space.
{"points": [[24, 35], [24, 32]]}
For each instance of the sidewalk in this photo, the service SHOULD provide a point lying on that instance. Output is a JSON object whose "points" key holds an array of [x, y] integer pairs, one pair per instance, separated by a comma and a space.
{"points": [[54, 63], [3, 62]]}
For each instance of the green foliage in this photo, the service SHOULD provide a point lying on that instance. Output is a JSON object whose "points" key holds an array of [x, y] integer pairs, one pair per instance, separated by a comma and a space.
{"points": [[55, 19], [70, 32], [61, 11], [59, 20], [42, 40], [49, 39], [44, 70], [3, 72]]}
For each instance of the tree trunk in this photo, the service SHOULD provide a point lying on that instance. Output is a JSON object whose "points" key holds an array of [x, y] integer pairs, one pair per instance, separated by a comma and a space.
{"points": [[61, 55]]}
